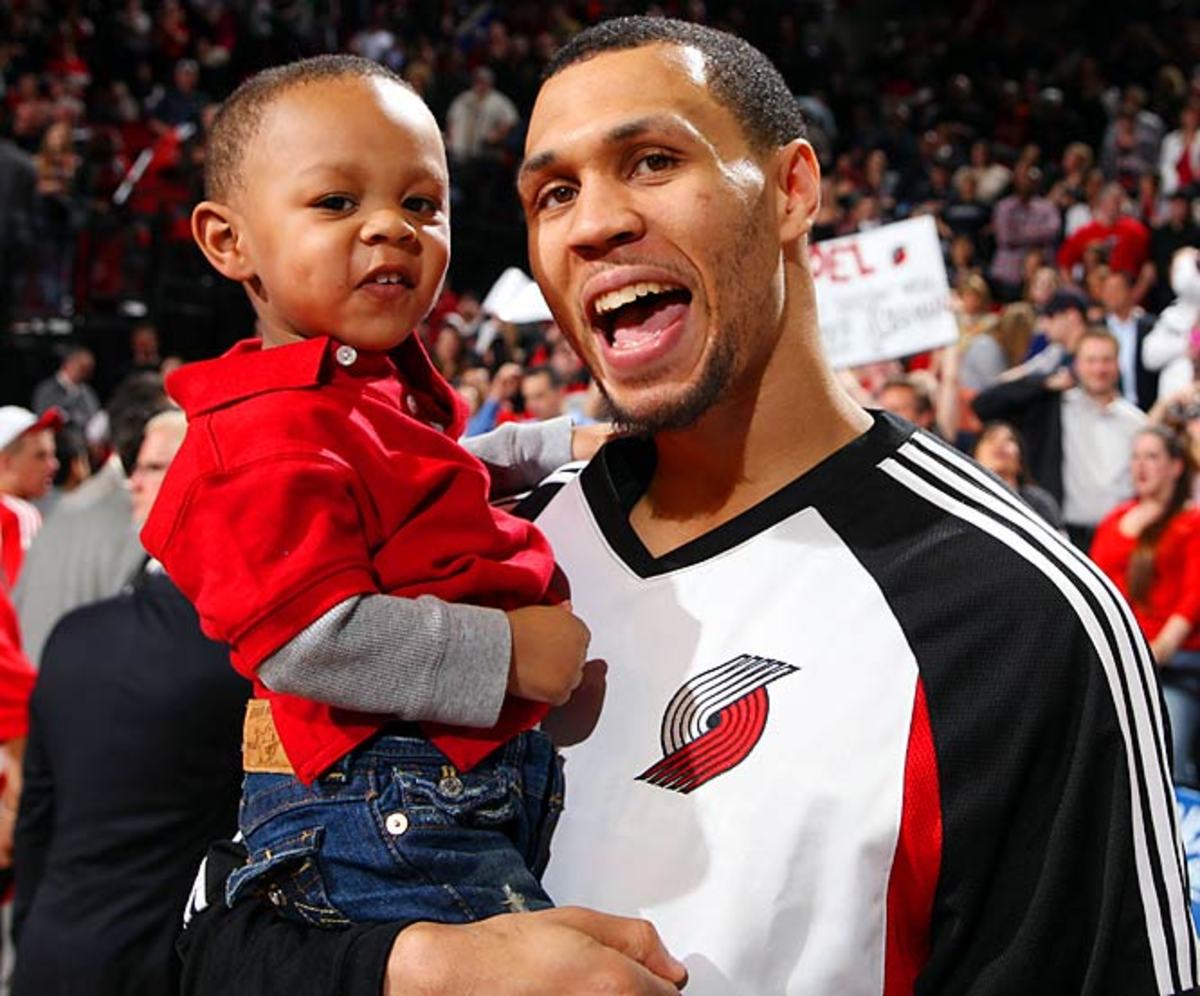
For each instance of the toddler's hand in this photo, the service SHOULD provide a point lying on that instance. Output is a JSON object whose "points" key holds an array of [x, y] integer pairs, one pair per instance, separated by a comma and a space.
{"points": [[549, 647]]}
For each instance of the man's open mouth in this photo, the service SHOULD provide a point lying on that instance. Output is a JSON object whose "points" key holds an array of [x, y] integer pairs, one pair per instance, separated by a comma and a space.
{"points": [[631, 316]]}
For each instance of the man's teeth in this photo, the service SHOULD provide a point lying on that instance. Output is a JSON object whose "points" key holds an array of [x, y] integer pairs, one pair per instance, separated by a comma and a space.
{"points": [[627, 295]]}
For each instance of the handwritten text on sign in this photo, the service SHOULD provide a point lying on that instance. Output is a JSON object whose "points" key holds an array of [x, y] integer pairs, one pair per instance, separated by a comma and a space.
{"points": [[882, 293]]}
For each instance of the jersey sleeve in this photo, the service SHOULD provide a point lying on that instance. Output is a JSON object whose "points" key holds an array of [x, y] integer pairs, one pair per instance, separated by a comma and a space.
{"points": [[250, 950], [265, 549]]}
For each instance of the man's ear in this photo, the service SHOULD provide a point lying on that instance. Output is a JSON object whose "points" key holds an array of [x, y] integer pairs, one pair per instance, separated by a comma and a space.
{"points": [[217, 230], [798, 186]]}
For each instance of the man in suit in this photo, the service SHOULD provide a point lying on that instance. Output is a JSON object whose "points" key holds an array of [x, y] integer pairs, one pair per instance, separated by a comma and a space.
{"points": [[68, 389], [132, 767], [1130, 326]]}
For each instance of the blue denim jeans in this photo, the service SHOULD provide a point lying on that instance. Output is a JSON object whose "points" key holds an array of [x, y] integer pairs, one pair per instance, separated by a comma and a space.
{"points": [[394, 832], [1181, 691]]}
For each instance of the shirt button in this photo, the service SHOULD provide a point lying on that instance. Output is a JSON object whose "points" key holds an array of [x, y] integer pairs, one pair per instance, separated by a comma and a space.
{"points": [[413, 406], [396, 823], [346, 355]]}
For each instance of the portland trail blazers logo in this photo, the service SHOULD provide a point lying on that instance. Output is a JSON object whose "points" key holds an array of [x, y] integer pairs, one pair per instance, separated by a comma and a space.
{"points": [[714, 721]]}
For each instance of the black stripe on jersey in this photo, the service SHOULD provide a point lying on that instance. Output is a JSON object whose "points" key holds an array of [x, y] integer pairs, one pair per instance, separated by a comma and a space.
{"points": [[1147, 673], [619, 475], [969, 481], [1029, 530], [531, 504]]}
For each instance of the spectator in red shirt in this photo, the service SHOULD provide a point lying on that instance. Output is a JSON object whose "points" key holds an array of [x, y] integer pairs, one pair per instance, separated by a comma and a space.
{"points": [[1150, 548], [327, 525], [27, 467], [1123, 241]]}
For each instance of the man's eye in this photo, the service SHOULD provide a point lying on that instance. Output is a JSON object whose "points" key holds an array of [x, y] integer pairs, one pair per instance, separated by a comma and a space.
{"points": [[556, 196], [339, 203], [654, 162]]}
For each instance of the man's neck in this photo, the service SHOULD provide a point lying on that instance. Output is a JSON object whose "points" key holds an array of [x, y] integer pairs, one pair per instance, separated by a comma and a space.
{"points": [[754, 442], [1103, 399]]}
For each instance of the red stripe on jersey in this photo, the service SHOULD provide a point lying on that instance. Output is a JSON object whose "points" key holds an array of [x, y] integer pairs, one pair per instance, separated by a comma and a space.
{"points": [[917, 861]]}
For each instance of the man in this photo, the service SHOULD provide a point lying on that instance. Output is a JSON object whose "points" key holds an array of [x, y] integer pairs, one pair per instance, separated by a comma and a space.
{"points": [[1177, 230], [1022, 221], [1064, 320], [1129, 325], [830, 753], [132, 767], [68, 389], [1079, 431], [479, 119], [27, 468], [88, 550], [1123, 242], [543, 394]]}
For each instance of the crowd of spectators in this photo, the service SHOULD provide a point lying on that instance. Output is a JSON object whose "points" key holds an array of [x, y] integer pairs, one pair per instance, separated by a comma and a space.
{"points": [[1058, 154]]}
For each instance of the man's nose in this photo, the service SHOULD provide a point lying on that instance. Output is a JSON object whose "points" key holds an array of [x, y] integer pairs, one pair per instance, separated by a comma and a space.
{"points": [[602, 217]]}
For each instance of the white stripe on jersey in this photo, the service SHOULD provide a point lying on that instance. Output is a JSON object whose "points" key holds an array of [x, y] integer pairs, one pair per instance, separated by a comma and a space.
{"points": [[1178, 897], [29, 519], [1053, 562]]}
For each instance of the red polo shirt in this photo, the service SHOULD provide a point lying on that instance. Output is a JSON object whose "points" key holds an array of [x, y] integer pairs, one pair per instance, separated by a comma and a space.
{"points": [[311, 473]]}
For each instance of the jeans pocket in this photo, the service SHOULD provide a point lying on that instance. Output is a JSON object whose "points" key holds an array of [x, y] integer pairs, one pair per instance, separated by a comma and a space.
{"points": [[483, 797], [286, 871]]}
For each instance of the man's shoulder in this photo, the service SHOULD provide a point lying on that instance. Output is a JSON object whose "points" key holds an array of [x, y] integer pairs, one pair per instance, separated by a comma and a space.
{"points": [[952, 546]]}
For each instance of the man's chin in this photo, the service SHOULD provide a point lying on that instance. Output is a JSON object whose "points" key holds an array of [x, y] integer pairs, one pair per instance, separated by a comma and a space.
{"points": [[653, 408]]}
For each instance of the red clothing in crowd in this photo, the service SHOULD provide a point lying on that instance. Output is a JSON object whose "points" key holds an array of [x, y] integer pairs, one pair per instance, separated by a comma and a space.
{"points": [[1126, 245], [19, 523], [312, 473], [1175, 589], [16, 674]]}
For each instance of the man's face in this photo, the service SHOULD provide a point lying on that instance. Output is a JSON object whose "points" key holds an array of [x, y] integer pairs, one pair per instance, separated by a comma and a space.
{"points": [[652, 232], [31, 464], [344, 213], [902, 400], [1114, 293], [158, 450], [542, 399], [1096, 367]]}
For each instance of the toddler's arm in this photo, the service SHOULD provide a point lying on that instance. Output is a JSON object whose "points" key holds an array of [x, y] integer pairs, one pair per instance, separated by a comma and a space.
{"points": [[519, 455], [450, 665]]}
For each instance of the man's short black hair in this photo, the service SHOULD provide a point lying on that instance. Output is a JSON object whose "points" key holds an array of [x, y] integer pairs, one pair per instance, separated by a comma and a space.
{"points": [[238, 120], [544, 369], [739, 75]]}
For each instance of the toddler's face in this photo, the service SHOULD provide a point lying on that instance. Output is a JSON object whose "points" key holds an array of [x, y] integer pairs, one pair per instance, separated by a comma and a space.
{"points": [[345, 211]]}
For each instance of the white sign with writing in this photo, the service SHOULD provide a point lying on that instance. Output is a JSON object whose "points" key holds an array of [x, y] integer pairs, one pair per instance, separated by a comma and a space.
{"points": [[882, 293]]}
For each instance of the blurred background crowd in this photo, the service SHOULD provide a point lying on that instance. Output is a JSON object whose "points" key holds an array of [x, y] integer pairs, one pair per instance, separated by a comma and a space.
{"points": [[1056, 146]]}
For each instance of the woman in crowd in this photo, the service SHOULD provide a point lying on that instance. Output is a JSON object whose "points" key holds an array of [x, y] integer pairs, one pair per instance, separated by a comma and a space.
{"points": [[1150, 548], [1001, 450]]}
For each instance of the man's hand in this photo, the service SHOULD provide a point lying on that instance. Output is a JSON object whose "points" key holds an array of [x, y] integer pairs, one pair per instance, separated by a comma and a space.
{"points": [[549, 647], [561, 952], [1061, 380]]}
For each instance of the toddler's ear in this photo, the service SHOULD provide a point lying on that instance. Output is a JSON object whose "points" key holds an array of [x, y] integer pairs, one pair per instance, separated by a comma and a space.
{"points": [[217, 231]]}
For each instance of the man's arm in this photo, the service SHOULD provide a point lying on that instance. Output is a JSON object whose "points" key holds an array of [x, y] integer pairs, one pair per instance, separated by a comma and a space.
{"points": [[1009, 399], [250, 950]]}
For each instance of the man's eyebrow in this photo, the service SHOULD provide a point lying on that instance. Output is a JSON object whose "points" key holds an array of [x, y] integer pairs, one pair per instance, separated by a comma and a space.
{"points": [[621, 133]]}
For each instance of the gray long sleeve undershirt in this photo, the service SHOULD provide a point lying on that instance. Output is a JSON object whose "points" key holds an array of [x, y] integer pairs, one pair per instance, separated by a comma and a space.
{"points": [[422, 658]]}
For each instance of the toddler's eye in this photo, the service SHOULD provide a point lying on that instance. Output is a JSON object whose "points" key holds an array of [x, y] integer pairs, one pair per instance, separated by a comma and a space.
{"points": [[426, 206], [338, 203]]}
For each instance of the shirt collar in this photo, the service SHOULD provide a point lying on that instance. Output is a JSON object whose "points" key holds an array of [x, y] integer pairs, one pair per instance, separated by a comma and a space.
{"points": [[247, 370]]}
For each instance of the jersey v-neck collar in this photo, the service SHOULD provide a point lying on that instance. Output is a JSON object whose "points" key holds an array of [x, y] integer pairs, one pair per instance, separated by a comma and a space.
{"points": [[619, 475]]}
